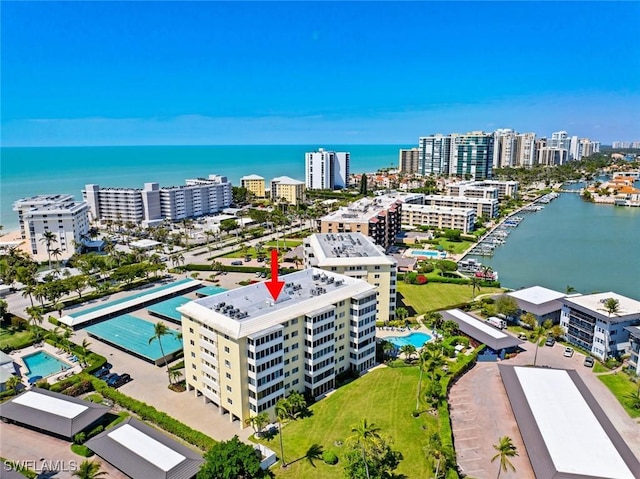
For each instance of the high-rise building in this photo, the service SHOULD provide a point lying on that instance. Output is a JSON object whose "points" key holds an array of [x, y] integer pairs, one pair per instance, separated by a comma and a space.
{"points": [[525, 156], [326, 170], [472, 155], [243, 351], [505, 147], [61, 215], [152, 204], [560, 139], [409, 161], [434, 155], [552, 156], [254, 184], [284, 188], [357, 256]]}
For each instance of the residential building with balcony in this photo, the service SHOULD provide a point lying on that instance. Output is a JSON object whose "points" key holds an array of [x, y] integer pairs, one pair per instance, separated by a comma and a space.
{"points": [[483, 206], [357, 256], [326, 170], [409, 161], [379, 218], [634, 348], [462, 219], [589, 326], [254, 184], [244, 351], [284, 188], [61, 215]]}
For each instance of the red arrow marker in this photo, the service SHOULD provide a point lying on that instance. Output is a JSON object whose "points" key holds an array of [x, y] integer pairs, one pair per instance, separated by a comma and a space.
{"points": [[274, 286]]}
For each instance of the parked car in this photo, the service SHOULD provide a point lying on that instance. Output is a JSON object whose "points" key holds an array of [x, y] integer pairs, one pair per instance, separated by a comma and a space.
{"points": [[108, 377], [122, 380], [550, 341], [113, 378], [568, 352], [588, 362], [102, 372], [236, 263], [247, 259]]}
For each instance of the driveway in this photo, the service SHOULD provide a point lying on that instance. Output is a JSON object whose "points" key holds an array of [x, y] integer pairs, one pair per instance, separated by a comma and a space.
{"points": [[481, 413]]}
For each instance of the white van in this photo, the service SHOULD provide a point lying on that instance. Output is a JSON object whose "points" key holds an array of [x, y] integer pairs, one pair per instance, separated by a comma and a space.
{"points": [[497, 322]]}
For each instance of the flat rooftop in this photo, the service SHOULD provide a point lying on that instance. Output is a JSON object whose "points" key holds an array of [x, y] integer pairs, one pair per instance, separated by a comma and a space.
{"points": [[439, 209], [461, 199], [595, 303], [357, 246], [566, 433], [250, 309], [536, 295], [481, 330], [362, 210]]}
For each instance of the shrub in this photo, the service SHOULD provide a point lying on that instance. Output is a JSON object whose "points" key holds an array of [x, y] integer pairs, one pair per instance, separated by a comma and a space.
{"points": [[329, 457], [53, 321], [80, 438], [80, 450], [421, 279], [95, 431]]}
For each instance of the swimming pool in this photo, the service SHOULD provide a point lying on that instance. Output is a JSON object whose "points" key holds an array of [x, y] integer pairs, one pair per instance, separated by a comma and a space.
{"points": [[209, 290], [43, 364], [415, 339], [132, 334], [429, 253], [167, 308]]}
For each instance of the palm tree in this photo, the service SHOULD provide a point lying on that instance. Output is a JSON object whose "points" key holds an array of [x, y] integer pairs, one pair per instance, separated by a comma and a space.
{"points": [[85, 349], [282, 414], [570, 289], [538, 334], [13, 382], [474, 282], [175, 374], [159, 330], [408, 350], [505, 449], [258, 422], [56, 253], [89, 470], [611, 306], [365, 435], [402, 313], [48, 238]]}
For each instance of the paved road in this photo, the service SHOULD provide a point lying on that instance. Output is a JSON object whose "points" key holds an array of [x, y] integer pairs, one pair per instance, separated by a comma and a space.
{"points": [[481, 413]]}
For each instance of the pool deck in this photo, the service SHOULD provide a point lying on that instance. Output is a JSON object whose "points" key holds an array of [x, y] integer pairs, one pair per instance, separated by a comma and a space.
{"points": [[389, 332], [17, 356]]}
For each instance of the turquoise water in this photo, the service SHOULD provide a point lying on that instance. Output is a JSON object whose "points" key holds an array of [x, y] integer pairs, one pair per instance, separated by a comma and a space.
{"points": [[168, 307], [415, 339], [133, 334], [209, 290], [428, 254], [43, 364], [127, 298], [33, 171], [573, 243]]}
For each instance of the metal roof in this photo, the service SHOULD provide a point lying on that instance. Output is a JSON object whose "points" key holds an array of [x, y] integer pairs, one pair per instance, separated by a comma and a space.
{"points": [[143, 452], [566, 433], [52, 412], [481, 331]]}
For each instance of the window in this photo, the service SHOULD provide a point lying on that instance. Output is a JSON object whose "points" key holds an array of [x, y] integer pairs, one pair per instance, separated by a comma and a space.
{"points": [[193, 355], [229, 388], [191, 330], [227, 363], [193, 365], [229, 401], [195, 378], [228, 375], [226, 349], [192, 342]]}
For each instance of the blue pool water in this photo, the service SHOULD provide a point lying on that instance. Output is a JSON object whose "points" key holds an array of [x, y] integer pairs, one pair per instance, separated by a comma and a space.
{"points": [[132, 334], [43, 364], [209, 290], [429, 254], [167, 308], [133, 296], [415, 339]]}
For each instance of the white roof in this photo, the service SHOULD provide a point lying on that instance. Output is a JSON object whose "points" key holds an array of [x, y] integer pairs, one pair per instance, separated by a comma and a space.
{"points": [[286, 180], [536, 295], [478, 324], [574, 437], [335, 249], [58, 407], [252, 177], [146, 447], [595, 303], [144, 243]]}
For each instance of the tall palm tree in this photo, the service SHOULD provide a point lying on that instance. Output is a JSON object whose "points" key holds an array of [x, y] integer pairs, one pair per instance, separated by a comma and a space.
{"points": [[474, 282], [505, 449], [538, 334], [408, 350], [160, 330], [611, 306], [314, 453], [282, 414], [56, 253], [48, 239], [89, 470], [365, 435]]}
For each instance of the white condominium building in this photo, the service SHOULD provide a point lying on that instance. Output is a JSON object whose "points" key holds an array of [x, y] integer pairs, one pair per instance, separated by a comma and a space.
{"points": [[473, 189], [357, 256], [326, 170], [61, 215], [484, 206], [152, 204], [462, 219], [589, 325], [244, 351]]}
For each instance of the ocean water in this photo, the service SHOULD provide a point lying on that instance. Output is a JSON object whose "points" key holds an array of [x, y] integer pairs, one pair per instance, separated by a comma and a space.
{"points": [[32, 171]]}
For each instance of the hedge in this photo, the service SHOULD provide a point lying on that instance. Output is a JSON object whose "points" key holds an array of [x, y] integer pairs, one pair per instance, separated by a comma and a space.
{"points": [[53, 321], [151, 414], [237, 269], [81, 450]]}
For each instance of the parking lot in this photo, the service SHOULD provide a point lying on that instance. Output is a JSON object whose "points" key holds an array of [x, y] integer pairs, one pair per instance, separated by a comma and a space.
{"points": [[481, 413]]}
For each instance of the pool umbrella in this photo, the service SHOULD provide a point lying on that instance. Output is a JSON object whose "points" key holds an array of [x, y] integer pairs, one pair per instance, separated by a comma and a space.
{"points": [[34, 379]]}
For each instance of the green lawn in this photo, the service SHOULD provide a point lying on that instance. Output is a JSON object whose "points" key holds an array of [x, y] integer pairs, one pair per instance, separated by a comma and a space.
{"points": [[621, 386], [14, 340], [385, 397], [436, 296], [598, 367], [289, 243]]}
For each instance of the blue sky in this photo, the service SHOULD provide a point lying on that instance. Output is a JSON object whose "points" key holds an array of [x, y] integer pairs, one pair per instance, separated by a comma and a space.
{"points": [[93, 73]]}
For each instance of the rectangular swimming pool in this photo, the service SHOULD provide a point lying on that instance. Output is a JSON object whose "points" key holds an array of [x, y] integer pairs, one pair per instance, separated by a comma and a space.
{"points": [[167, 308], [132, 334], [429, 253], [43, 364], [209, 290]]}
